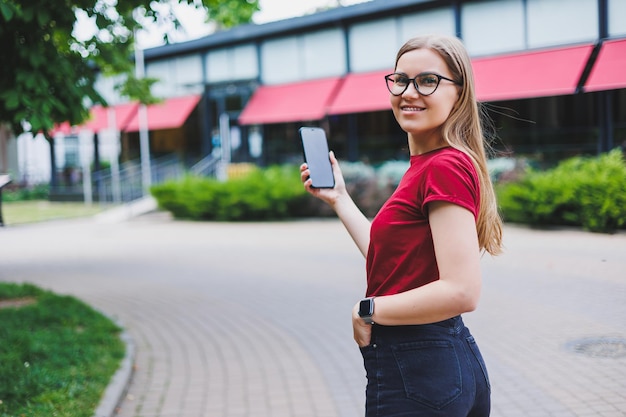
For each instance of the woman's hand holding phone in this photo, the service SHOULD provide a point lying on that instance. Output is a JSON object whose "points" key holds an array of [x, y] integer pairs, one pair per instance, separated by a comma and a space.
{"points": [[328, 195], [333, 191]]}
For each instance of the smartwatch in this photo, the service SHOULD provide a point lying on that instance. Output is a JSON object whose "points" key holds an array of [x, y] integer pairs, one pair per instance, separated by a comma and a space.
{"points": [[366, 310]]}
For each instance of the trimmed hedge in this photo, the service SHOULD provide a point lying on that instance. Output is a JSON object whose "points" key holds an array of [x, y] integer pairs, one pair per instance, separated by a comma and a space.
{"points": [[274, 193], [261, 194], [580, 191]]}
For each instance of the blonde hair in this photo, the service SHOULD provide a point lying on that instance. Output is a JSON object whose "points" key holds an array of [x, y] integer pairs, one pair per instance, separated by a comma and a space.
{"points": [[463, 130]]}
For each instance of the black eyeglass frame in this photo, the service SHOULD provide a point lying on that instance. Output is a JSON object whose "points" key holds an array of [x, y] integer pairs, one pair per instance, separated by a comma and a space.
{"points": [[439, 78]]}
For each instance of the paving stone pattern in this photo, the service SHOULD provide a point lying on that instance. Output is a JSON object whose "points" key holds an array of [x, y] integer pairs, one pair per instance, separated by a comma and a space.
{"points": [[253, 319]]}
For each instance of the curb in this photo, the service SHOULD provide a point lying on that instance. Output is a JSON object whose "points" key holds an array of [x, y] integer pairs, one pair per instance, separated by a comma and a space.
{"points": [[127, 211], [118, 387]]}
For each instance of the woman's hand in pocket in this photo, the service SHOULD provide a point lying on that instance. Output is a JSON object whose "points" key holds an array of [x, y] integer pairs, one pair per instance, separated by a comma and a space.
{"points": [[362, 330]]}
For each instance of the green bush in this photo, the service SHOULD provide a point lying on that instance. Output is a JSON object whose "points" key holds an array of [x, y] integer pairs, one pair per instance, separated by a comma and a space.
{"points": [[261, 194], [36, 192], [580, 191], [274, 193]]}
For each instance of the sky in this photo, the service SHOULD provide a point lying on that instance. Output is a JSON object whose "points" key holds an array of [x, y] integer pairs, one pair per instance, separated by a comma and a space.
{"points": [[195, 27], [272, 10]]}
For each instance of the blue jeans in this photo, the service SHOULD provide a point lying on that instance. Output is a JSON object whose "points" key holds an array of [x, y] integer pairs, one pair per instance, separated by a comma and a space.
{"points": [[432, 370]]}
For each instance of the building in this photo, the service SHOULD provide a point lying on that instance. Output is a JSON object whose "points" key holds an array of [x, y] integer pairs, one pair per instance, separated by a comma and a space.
{"points": [[551, 73]]}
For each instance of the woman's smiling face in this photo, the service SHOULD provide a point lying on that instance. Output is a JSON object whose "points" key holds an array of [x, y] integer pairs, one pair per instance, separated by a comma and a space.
{"points": [[422, 116]]}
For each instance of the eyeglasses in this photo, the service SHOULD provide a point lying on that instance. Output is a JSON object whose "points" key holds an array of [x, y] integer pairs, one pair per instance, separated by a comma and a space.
{"points": [[425, 83]]}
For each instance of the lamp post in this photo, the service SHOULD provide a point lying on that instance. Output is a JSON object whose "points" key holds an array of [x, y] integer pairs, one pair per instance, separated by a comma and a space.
{"points": [[142, 115]]}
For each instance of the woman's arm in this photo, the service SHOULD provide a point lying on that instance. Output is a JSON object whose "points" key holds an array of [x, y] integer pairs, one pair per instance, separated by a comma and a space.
{"points": [[458, 258], [355, 222]]}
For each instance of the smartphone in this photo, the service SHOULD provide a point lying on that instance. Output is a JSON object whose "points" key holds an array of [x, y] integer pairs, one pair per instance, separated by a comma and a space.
{"points": [[315, 147]]}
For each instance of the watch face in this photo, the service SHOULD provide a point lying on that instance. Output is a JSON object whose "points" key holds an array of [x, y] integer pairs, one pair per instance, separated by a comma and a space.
{"points": [[365, 307]]}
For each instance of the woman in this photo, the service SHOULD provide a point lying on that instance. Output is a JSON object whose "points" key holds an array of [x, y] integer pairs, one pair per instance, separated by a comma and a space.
{"points": [[423, 247]]}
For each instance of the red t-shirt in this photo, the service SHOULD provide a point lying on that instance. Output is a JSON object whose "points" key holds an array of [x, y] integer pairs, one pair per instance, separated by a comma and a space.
{"points": [[401, 255]]}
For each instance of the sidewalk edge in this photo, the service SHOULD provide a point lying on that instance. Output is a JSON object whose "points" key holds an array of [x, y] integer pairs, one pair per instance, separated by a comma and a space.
{"points": [[118, 387], [128, 210]]}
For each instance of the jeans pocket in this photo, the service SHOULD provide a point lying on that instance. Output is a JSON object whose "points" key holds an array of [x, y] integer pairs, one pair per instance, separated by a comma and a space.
{"points": [[479, 357], [430, 371]]}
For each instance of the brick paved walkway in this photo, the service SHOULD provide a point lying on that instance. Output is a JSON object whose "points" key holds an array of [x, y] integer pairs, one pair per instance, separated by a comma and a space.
{"points": [[254, 319]]}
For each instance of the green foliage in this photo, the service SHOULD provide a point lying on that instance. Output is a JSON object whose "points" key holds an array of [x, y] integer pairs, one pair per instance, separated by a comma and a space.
{"points": [[587, 192], [57, 354], [37, 192], [10, 291], [266, 194], [49, 74], [262, 194], [273, 193], [583, 192], [46, 82]]}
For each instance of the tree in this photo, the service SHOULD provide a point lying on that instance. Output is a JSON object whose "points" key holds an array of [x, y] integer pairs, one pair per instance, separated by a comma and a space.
{"points": [[47, 74]]}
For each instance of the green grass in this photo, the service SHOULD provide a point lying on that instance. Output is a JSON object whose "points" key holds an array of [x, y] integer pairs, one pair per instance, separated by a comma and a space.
{"points": [[33, 211], [57, 354]]}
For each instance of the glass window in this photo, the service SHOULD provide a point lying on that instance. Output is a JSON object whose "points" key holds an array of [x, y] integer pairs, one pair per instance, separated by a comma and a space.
{"points": [[373, 45], [491, 27], [324, 54], [164, 71], [554, 22], [617, 22], [546, 129], [275, 68], [233, 103], [245, 63], [312, 55], [188, 70], [217, 66], [71, 151], [231, 64], [438, 21]]}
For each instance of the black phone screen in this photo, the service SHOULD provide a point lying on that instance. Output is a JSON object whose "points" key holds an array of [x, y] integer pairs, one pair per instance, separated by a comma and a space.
{"points": [[315, 148]]}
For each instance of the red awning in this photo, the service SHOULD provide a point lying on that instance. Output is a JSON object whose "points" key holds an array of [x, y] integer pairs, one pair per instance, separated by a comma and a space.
{"points": [[64, 128], [530, 74], [170, 114], [116, 117], [609, 71], [290, 102], [362, 93]]}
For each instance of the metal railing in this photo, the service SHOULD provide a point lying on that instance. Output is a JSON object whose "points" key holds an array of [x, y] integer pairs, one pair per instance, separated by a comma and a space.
{"points": [[122, 186], [207, 166], [127, 185]]}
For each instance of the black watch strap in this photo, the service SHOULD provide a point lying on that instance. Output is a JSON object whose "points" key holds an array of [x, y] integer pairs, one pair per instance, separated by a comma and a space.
{"points": [[366, 310]]}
